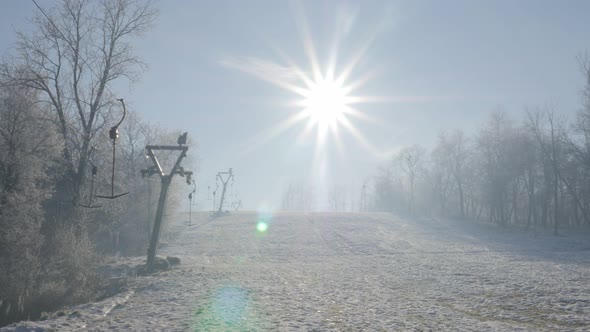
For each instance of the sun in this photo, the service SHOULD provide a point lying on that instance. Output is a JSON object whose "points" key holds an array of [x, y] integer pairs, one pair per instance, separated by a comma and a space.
{"points": [[327, 94], [325, 103]]}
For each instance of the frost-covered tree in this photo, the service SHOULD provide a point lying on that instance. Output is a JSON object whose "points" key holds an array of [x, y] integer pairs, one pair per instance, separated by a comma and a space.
{"points": [[74, 52], [410, 161], [28, 150]]}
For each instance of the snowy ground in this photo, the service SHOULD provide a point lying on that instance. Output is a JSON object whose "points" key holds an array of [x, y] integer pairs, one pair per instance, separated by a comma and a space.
{"points": [[351, 272]]}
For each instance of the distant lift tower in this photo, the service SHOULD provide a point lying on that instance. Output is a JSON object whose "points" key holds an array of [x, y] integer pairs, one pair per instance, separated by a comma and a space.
{"points": [[363, 203], [224, 177], [236, 205]]}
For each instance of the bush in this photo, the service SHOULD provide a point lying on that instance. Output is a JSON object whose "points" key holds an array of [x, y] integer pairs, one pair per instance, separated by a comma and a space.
{"points": [[68, 275]]}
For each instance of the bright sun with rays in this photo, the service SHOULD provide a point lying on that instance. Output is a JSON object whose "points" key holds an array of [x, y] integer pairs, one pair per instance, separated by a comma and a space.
{"points": [[325, 103], [326, 97]]}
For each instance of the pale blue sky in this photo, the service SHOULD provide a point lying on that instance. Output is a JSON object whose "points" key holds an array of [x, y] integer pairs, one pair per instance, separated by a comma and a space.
{"points": [[463, 58]]}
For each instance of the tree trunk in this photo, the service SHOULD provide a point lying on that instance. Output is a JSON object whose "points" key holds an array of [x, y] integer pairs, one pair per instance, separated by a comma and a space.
{"points": [[461, 202], [556, 206]]}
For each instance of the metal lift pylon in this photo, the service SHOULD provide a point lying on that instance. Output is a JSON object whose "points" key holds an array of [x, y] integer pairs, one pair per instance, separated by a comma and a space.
{"points": [[165, 180], [225, 177]]}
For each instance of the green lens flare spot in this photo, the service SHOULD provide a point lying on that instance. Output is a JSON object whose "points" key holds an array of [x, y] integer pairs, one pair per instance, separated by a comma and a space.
{"points": [[261, 227]]}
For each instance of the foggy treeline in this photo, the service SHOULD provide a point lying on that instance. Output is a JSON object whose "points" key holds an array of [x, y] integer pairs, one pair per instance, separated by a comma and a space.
{"points": [[301, 196], [56, 109], [297, 197], [533, 173]]}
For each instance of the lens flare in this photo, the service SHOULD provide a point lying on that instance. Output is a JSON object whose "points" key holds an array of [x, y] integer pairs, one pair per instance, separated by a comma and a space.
{"points": [[230, 304], [261, 227], [230, 308], [263, 220]]}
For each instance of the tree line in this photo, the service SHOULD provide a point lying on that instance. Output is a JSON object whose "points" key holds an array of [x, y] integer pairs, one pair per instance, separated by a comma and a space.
{"points": [[56, 108], [533, 173]]}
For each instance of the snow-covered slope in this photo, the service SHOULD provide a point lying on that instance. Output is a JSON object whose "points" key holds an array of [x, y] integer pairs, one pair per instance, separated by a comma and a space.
{"points": [[351, 272]]}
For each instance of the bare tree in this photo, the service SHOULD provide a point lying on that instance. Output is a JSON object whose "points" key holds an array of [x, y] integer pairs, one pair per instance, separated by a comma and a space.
{"points": [[337, 198], [577, 177], [385, 189], [74, 53], [451, 157], [410, 162], [531, 163], [549, 131]]}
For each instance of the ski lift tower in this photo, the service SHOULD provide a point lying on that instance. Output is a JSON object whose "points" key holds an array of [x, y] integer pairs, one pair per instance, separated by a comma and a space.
{"points": [[225, 177], [165, 179], [364, 206]]}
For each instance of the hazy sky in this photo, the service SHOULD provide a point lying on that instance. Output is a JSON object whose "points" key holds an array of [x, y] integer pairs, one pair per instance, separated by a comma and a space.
{"points": [[443, 65]]}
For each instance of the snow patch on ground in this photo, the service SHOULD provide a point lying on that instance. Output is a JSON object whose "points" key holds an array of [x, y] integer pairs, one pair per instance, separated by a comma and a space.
{"points": [[351, 272]]}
